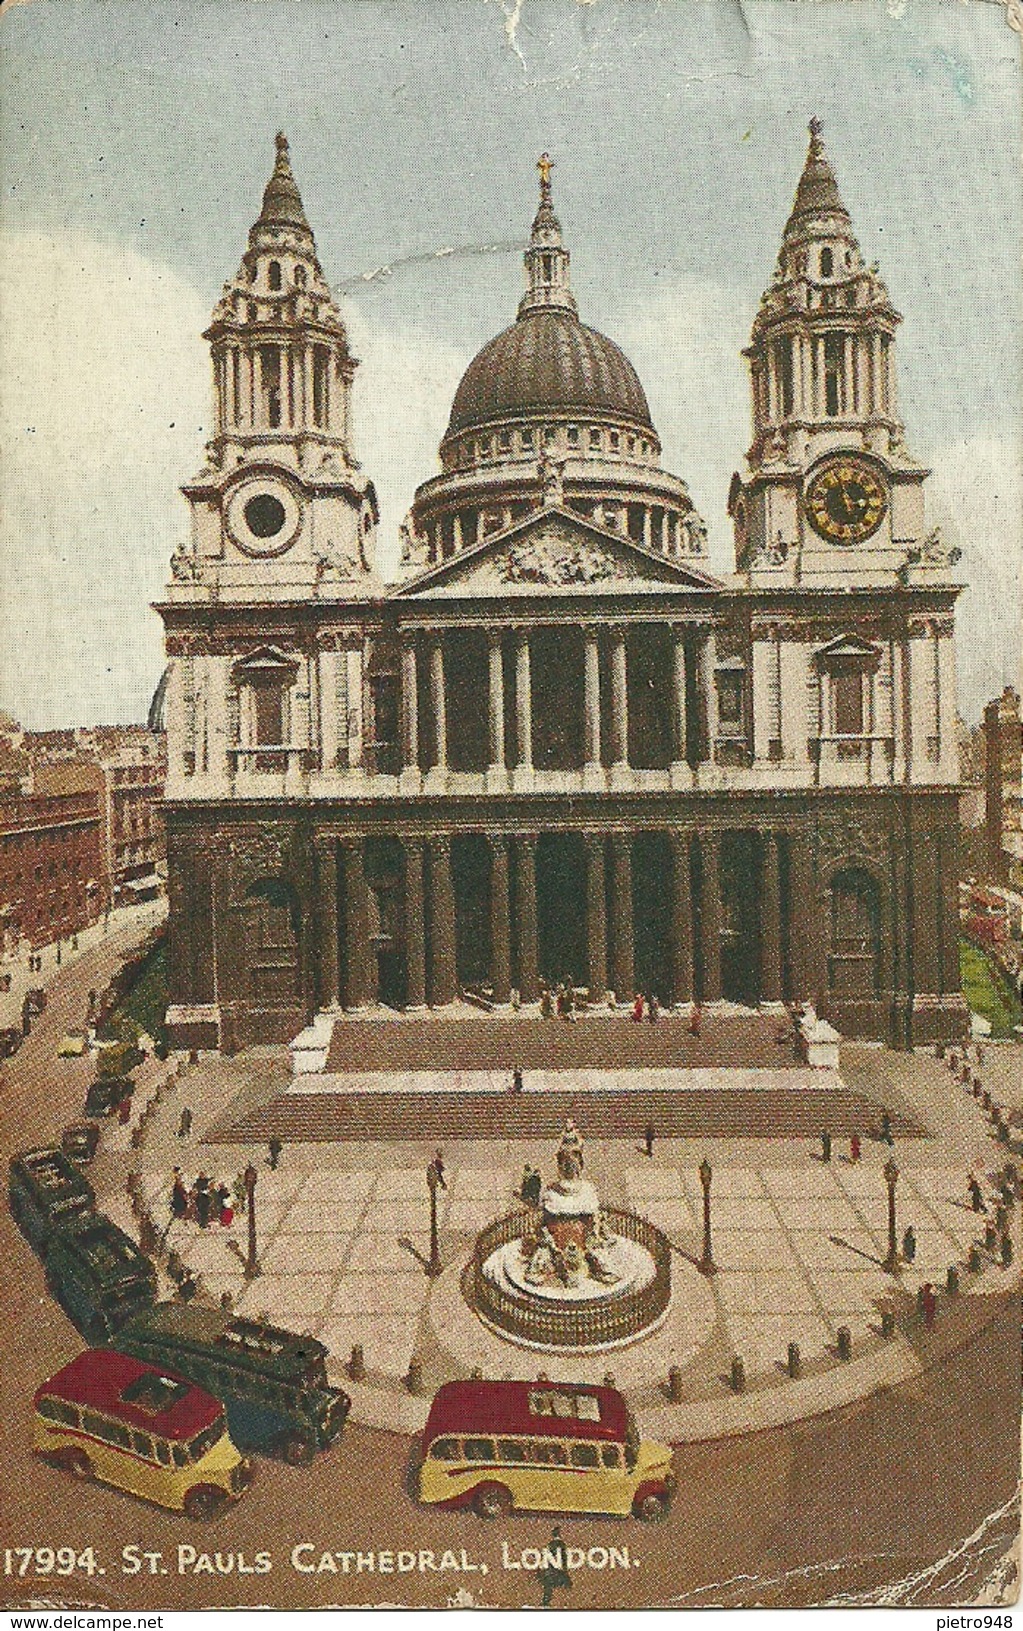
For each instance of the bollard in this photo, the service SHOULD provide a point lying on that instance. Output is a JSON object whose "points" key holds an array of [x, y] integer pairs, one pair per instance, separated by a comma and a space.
{"points": [[974, 1261], [953, 1061], [1006, 1251], [990, 1236], [844, 1340], [939, 1050], [952, 1281], [414, 1379], [738, 1377], [976, 1090], [985, 1100], [1003, 1133], [357, 1363], [476, 1374], [887, 1324], [793, 1361], [977, 1085], [674, 1384], [609, 1379]]}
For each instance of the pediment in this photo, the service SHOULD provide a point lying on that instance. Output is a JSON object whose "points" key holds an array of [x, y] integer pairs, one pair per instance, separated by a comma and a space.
{"points": [[849, 648], [265, 663], [553, 552]]}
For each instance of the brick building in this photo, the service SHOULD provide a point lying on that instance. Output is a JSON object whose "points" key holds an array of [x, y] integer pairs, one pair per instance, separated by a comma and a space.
{"points": [[51, 866]]}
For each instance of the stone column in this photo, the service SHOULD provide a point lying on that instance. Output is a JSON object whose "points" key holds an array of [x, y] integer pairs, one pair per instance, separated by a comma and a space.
{"points": [[438, 703], [442, 983], [326, 856], [797, 376], [409, 706], [596, 918], [877, 374], [307, 386], [681, 920], [679, 722], [525, 915], [495, 657], [359, 974], [647, 527], [622, 975], [849, 376], [415, 942], [619, 701], [456, 534], [710, 916], [819, 390], [770, 922], [500, 923], [523, 702], [862, 376], [709, 692], [591, 698], [285, 387]]}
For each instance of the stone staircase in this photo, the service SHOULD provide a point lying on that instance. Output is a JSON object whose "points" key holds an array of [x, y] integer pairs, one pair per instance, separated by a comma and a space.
{"points": [[739, 1112]]}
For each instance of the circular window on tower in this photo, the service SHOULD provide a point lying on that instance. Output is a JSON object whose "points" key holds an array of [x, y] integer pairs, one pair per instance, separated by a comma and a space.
{"points": [[263, 517]]}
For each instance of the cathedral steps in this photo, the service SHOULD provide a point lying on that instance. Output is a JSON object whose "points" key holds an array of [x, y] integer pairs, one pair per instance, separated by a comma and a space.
{"points": [[741, 1112]]}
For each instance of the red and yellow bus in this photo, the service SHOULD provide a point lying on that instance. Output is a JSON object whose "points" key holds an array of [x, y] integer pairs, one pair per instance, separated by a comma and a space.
{"points": [[540, 1447], [109, 1417]]}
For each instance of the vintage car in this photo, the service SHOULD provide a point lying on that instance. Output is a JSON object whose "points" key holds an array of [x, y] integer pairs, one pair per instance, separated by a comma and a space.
{"points": [[72, 1045], [106, 1093], [79, 1142], [10, 1041]]}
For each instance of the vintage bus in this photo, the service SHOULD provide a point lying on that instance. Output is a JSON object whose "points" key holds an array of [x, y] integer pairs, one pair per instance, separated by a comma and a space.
{"points": [[108, 1417], [273, 1382], [45, 1190], [98, 1275], [540, 1446]]}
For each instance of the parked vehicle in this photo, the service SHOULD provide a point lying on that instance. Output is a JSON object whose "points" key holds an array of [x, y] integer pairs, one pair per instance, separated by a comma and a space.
{"points": [[106, 1093], [107, 1417], [98, 1275], [35, 999], [79, 1142], [44, 1193], [273, 1382], [11, 1037], [540, 1447], [72, 1045]]}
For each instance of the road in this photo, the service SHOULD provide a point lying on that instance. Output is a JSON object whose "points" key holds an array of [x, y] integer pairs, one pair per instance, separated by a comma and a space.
{"points": [[845, 1503]]}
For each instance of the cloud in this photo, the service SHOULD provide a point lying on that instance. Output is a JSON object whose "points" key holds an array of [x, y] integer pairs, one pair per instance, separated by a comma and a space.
{"points": [[103, 413]]}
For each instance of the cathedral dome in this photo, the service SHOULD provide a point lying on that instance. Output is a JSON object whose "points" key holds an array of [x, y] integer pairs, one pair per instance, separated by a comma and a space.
{"points": [[548, 362]]}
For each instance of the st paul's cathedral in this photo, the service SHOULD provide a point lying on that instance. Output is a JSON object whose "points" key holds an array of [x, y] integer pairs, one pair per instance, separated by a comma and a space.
{"points": [[560, 747]]}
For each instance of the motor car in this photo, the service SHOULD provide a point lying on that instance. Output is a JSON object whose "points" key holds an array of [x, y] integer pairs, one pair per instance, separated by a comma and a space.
{"points": [[10, 1041], [106, 1093], [72, 1045], [79, 1142], [35, 999]]}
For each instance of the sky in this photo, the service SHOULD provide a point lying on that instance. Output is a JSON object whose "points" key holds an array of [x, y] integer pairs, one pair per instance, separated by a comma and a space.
{"points": [[136, 139]]}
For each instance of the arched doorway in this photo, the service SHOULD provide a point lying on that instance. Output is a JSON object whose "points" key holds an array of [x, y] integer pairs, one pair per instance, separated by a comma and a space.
{"points": [[470, 879], [385, 876], [854, 961], [651, 913], [740, 892], [561, 907], [272, 932]]}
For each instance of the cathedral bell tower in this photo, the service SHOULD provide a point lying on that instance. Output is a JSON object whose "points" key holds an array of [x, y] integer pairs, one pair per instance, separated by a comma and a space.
{"points": [[830, 496], [280, 508]]}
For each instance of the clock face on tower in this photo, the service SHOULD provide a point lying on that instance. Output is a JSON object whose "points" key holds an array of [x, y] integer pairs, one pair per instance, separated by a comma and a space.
{"points": [[846, 501], [263, 516]]}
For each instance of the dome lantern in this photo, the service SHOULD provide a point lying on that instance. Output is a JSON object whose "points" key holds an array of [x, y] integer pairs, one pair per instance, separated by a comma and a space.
{"points": [[546, 259]]}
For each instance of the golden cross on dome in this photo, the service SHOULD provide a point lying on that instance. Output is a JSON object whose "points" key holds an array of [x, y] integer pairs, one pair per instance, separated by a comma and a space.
{"points": [[545, 164]]}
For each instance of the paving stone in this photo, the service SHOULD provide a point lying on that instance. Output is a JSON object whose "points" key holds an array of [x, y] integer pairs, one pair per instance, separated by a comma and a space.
{"points": [[304, 1295], [388, 1341], [383, 1254], [851, 1249], [338, 1186], [762, 1292], [327, 1217], [653, 1181], [290, 1254], [749, 1249], [380, 1294]]}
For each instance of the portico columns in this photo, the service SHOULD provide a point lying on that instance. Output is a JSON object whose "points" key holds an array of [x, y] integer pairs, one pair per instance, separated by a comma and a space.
{"points": [[709, 692], [495, 658], [622, 976], [770, 919], [525, 915], [710, 916], [358, 973], [619, 702], [681, 920], [409, 707], [680, 772], [523, 703], [591, 677], [326, 856], [443, 981], [415, 940], [438, 704], [500, 960], [596, 917]]}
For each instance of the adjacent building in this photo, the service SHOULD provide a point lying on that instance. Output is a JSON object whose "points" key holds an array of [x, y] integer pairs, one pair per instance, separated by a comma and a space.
{"points": [[561, 746], [51, 867], [1003, 789]]}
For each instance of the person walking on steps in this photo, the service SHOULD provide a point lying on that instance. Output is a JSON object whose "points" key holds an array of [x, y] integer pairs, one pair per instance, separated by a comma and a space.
{"points": [[275, 1149], [554, 1575], [648, 1138]]}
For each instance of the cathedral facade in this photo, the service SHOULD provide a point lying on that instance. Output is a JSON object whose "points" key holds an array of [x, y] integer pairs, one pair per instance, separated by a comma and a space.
{"points": [[560, 746]]}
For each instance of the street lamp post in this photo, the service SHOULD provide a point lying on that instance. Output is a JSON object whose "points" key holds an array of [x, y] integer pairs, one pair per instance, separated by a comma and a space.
{"points": [[434, 1181], [891, 1178], [249, 1180], [706, 1264]]}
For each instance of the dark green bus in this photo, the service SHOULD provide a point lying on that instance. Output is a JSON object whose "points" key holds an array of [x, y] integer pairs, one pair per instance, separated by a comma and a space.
{"points": [[98, 1275], [45, 1191], [273, 1383]]}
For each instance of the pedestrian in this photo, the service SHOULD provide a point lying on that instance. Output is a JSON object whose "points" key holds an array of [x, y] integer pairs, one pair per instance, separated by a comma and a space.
{"points": [[517, 1079], [886, 1128], [203, 1200], [179, 1197], [275, 1149], [854, 1147], [928, 1303], [185, 1123], [648, 1138], [695, 1019], [74, 942], [124, 1110], [58, 953], [533, 1189], [909, 1245], [225, 1210], [554, 1574], [825, 1146], [653, 1009], [527, 1173], [546, 1009], [26, 1017], [976, 1198], [438, 1165], [637, 1006], [1006, 1250]]}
